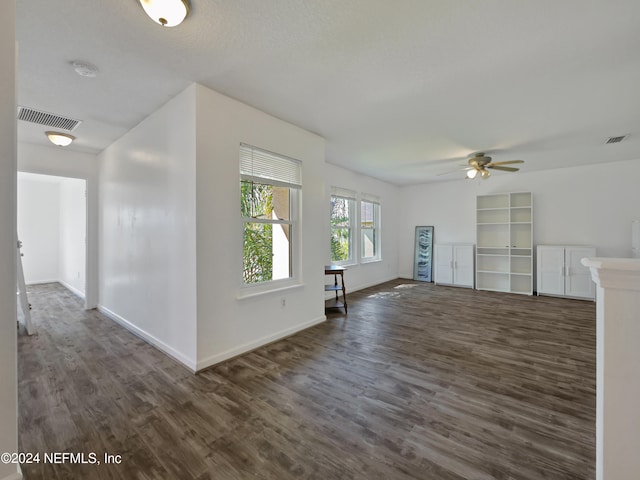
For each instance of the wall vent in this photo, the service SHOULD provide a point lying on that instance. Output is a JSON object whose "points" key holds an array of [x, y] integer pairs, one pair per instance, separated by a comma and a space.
{"points": [[616, 139], [47, 119]]}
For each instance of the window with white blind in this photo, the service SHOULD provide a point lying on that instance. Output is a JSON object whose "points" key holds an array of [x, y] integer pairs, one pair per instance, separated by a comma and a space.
{"points": [[343, 213], [369, 228], [270, 186]]}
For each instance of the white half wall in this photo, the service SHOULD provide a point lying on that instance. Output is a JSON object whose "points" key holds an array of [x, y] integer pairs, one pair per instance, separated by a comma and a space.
{"points": [[362, 275], [590, 205], [8, 312], [147, 229], [228, 325], [617, 367], [61, 162], [39, 227]]}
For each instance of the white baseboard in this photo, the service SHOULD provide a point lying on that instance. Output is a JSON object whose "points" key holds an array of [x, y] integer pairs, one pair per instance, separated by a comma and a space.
{"points": [[147, 337], [72, 289], [247, 347], [214, 359]]}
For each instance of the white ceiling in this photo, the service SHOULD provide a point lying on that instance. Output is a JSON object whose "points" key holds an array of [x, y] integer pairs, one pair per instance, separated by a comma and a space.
{"points": [[401, 90]]}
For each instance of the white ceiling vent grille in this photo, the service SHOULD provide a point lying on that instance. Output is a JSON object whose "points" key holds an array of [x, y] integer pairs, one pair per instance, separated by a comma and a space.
{"points": [[48, 119], [616, 139]]}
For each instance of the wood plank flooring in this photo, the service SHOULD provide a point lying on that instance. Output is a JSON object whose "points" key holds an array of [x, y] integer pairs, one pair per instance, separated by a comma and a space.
{"points": [[417, 382]]}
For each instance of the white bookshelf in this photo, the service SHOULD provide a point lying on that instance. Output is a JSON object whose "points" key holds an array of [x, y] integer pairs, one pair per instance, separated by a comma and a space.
{"points": [[504, 242]]}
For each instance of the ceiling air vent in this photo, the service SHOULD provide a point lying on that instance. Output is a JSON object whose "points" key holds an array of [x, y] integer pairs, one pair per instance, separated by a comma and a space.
{"points": [[616, 139], [48, 119]]}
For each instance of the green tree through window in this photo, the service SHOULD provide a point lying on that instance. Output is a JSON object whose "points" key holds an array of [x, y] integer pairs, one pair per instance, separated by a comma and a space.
{"points": [[257, 202], [341, 209]]}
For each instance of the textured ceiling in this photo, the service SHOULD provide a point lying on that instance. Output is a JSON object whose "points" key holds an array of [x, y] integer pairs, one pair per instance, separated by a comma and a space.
{"points": [[401, 91]]}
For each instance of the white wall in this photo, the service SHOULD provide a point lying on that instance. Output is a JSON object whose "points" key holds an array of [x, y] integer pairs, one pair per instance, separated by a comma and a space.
{"points": [[363, 275], [590, 205], [227, 325], [147, 229], [8, 348], [39, 227], [150, 180], [68, 163], [73, 233]]}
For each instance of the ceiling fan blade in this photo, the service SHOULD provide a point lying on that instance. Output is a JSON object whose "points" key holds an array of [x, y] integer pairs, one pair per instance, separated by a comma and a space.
{"points": [[505, 169], [508, 162]]}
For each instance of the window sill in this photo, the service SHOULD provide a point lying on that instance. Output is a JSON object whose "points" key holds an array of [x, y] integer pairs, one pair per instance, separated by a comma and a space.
{"points": [[249, 292], [372, 260], [338, 264]]}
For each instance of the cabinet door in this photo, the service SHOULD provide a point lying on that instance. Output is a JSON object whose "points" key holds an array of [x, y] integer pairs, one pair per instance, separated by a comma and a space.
{"points": [[578, 282], [551, 270], [444, 264], [463, 265]]}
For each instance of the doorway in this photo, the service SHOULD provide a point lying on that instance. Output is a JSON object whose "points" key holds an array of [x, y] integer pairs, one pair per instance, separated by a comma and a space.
{"points": [[52, 226]]}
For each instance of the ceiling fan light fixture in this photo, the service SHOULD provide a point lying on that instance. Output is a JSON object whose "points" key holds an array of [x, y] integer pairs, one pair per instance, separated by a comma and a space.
{"points": [[485, 174], [60, 139], [167, 13], [472, 173]]}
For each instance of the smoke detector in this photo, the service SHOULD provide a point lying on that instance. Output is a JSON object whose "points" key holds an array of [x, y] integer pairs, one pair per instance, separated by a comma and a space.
{"points": [[85, 69]]}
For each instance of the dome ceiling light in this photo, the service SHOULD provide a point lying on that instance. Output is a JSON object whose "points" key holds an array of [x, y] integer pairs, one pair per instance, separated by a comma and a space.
{"points": [[167, 13], [60, 139]]}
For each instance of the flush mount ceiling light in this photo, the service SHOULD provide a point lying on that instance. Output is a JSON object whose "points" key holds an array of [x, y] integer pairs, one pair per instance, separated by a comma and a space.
{"points": [[60, 139], [167, 13]]}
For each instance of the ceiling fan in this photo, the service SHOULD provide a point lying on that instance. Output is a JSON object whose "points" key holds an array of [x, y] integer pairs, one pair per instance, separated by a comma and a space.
{"points": [[479, 163]]}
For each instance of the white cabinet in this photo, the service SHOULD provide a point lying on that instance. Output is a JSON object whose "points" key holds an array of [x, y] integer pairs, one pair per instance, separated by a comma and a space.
{"points": [[454, 264], [561, 273], [504, 242]]}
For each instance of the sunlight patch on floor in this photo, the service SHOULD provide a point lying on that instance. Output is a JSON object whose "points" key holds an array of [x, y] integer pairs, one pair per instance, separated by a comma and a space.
{"points": [[403, 286], [385, 295]]}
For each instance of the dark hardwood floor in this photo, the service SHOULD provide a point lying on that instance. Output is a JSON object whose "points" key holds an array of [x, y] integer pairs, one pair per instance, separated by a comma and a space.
{"points": [[418, 382]]}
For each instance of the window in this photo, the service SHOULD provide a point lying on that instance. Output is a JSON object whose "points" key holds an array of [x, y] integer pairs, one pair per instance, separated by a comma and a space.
{"points": [[269, 185], [369, 228], [342, 220]]}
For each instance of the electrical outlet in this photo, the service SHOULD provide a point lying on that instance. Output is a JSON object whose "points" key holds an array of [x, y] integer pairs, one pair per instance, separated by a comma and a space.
{"points": [[283, 302]]}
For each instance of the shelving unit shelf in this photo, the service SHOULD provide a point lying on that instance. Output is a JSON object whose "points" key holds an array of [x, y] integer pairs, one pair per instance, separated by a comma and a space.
{"points": [[504, 242]]}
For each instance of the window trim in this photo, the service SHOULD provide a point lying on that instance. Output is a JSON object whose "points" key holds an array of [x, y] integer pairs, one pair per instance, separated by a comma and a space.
{"points": [[252, 291], [294, 184], [375, 201], [351, 197]]}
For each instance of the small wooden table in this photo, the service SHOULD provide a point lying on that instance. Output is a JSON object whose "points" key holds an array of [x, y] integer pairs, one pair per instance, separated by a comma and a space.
{"points": [[335, 271]]}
